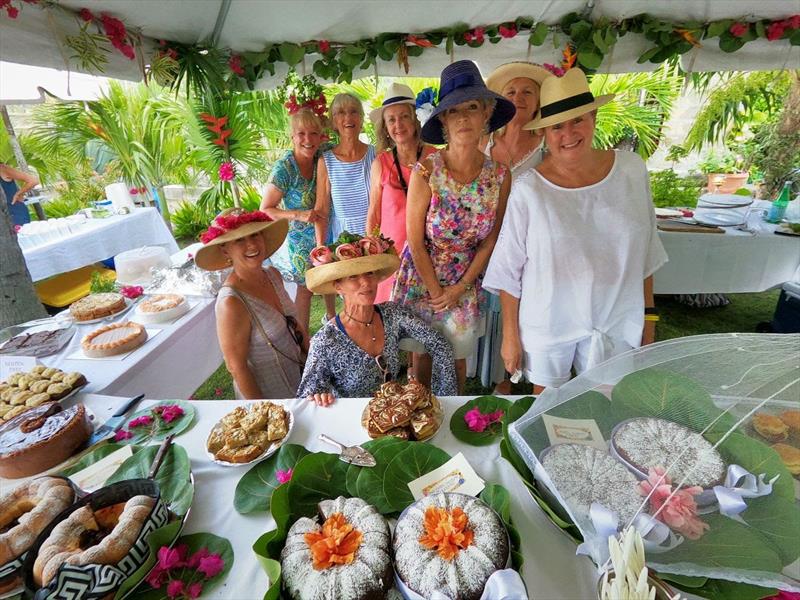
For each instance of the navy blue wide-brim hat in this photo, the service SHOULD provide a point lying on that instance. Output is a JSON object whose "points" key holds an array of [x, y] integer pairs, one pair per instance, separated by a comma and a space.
{"points": [[461, 81]]}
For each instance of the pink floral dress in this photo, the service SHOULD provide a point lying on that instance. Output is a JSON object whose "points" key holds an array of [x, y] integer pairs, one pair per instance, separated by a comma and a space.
{"points": [[460, 217]]}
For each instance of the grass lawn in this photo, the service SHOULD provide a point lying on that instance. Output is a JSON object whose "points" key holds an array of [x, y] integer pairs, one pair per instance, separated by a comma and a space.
{"points": [[677, 320]]}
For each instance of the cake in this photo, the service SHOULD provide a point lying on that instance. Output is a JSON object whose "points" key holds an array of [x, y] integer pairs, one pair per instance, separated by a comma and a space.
{"points": [[687, 456], [404, 411], [244, 434], [161, 308], [41, 438], [96, 306], [116, 338], [22, 391], [583, 475], [40, 343], [449, 543], [344, 553]]}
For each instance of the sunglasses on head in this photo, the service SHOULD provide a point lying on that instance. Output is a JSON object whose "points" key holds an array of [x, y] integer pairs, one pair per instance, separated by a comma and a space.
{"points": [[294, 329], [384, 368]]}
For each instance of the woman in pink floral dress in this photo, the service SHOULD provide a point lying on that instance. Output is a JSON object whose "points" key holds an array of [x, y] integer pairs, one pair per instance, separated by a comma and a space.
{"points": [[456, 201]]}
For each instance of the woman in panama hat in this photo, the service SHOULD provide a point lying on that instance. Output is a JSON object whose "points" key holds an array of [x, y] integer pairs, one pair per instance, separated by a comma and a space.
{"points": [[399, 148], [456, 200], [357, 351], [261, 341], [578, 248]]}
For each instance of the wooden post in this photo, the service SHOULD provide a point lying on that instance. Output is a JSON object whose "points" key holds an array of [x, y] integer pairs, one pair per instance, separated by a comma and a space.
{"points": [[21, 162]]}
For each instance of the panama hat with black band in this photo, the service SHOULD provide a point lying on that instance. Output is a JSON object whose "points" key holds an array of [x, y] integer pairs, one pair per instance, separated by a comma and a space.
{"points": [[397, 93], [461, 82], [500, 77], [565, 98]]}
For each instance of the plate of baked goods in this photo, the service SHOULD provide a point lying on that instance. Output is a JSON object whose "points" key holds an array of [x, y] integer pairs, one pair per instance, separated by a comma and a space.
{"points": [[161, 308], [41, 385], [97, 307], [249, 434], [114, 339], [408, 412], [36, 341]]}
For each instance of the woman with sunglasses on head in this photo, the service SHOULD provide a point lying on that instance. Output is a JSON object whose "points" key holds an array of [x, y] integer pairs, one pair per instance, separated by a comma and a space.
{"points": [[357, 351], [262, 344]]}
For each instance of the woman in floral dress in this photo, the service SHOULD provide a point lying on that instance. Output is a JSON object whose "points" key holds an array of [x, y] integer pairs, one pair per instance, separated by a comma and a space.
{"points": [[456, 202]]}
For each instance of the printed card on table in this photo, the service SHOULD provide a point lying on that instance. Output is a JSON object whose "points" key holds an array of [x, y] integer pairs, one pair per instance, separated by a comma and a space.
{"points": [[94, 476], [456, 475], [15, 364], [574, 431]]}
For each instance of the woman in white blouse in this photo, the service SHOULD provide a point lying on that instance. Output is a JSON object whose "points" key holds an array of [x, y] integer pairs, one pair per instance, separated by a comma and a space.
{"points": [[574, 261]]}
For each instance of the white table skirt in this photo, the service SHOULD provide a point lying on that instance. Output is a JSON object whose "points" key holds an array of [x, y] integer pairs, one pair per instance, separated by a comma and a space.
{"points": [[97, 240], [729, 263], [551, 569]]}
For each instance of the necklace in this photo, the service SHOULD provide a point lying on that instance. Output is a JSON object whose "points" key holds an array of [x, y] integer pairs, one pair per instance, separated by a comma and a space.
{"points": [[365, 323]]}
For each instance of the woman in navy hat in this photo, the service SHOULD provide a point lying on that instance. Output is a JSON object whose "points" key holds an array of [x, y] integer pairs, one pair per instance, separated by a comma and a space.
{"points": [[456, 201]]}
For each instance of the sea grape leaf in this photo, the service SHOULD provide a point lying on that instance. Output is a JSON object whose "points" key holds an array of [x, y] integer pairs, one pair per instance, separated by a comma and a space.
{"points": [[416, 460], [369, 483], [316, 477], [486, 404], [255, 488], [90, 458]]}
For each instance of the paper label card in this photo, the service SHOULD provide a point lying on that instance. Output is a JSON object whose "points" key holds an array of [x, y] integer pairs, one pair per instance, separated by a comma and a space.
{"points": [[15, 364], [94, 476], [574, 431], [456, 475]]}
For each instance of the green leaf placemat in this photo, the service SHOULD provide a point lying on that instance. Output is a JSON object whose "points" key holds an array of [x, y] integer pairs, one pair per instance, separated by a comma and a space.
{"points": [[159, 430], [369, 480], [416, 460], [507, 450], [163, 536], [486, 404], [255, 488], [92, 457]]}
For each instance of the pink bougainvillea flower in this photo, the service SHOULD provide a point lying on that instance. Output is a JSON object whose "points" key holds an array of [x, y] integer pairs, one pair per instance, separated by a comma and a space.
{"points": [[283, 476], [478, 421], [775, 30], [86, 14], [194, 590], [175, 588], [122, 434], [131, 291], [211, 565], [680, 511], [324, 46], [226, 171], [508, 32], [783, 595], [555, 70], [12, 11], [143, 421], [171, 412], [235, 64], [793, 22], [218, 392], [738, 29], [156, 577], [476, 35], [195, 558], [169, 558]]}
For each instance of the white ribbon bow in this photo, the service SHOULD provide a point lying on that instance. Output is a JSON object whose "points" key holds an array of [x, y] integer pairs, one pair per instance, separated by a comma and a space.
{"points": [[656, 536], [740, 484]]}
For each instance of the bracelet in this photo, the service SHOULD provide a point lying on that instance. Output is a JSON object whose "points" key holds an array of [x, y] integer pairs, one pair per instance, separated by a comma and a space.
{"points": [[652, 318], [468, 287]]}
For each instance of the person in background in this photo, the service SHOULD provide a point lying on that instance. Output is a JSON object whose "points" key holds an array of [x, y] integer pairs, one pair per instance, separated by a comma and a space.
{"points": [[578, 248], [262, 343], [15, 195], [343, 178], [399, 148], [358, 350], [519, 150], [291, 194], [456, 201]]}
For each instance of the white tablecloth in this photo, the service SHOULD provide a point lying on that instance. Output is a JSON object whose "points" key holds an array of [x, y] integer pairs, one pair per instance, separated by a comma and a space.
{"points": [[733, 262], [551, 569], [97, 240]]}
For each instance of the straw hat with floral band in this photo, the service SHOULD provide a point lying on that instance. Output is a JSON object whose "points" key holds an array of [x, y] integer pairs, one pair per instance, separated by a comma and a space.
{"points": [[397, 93], [350, 255], [564, 98], [460, 82], [233, 224], [512, 70]]}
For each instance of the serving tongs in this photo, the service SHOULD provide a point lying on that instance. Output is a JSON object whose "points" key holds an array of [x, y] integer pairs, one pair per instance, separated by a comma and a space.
{"points": [[354, 455]]}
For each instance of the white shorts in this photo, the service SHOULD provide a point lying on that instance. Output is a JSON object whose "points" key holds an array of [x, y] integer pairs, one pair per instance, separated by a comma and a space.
{"points": [[551, 366]]}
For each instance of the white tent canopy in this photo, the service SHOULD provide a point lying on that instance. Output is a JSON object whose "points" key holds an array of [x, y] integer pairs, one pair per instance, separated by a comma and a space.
{"points": [[246, 25], [24, 84]]}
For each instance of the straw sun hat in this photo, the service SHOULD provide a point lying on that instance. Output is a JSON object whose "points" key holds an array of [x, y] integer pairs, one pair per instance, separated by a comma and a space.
{"points": [[350, 257], [396, 94], [234, 224], [512, 70], [564, 98]]}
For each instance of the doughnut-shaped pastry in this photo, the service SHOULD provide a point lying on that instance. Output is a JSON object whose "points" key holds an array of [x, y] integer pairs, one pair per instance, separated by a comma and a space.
{"points": [[32, 506]]}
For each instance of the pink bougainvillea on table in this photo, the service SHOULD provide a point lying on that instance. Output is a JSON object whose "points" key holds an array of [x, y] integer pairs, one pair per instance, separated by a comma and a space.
{"points": [[178, 573], [283, 476], [131, 291], [478, 421], [171, 412], [143, 421], [675, 508], [122, 435]]}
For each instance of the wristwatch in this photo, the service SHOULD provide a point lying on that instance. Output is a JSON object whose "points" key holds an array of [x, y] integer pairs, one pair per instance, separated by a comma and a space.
{"points": [[468, 287]]}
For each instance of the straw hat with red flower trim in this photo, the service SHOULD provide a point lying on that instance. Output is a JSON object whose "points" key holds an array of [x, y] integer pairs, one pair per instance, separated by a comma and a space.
{"points": [[233, 224], [351, 255]]}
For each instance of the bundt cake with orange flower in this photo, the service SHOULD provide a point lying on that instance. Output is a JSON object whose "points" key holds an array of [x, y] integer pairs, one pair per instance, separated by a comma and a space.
{"points": [[344, 553], [450, 543]]}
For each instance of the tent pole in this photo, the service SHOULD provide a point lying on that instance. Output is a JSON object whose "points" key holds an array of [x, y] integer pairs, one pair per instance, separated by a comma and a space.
{"points": [[224, 7], [21, 162]]}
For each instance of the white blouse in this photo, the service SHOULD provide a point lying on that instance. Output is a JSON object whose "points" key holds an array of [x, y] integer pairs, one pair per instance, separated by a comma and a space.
{"points": [[577, 258]]}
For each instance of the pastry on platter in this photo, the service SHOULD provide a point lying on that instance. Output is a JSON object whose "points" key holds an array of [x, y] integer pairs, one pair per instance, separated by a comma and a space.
{"points": [[161, 308], [790, 457], [770, 427], [244, 434], [397, 408], [116, 338], [96, 306], [792, 420]]}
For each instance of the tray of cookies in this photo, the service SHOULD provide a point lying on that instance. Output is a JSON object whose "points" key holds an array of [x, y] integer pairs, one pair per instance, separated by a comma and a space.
{"points": [[25, 390], [249, 434], [408, 412]]}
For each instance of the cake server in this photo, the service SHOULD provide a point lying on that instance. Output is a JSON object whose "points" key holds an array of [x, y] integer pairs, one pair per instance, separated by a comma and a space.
{"points": [[354, 455], [114, 424]]}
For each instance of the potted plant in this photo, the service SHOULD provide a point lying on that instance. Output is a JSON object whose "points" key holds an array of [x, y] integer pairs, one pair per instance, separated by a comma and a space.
{"points": [[725, 172]]}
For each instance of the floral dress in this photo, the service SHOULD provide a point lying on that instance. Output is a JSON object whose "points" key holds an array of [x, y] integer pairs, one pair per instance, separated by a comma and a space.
{"points": [[299, 193], [460, 217]]}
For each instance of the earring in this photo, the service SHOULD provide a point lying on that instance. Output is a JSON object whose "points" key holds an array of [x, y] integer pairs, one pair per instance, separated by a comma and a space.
{"points": [[229, 262]]}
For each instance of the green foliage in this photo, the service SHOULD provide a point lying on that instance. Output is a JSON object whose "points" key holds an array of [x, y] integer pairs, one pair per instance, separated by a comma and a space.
{"points": [[486, 405], [726, 162], [774, 155], [63, 206], [676, 152], [189, 220], [670, 189], [100, 283]]}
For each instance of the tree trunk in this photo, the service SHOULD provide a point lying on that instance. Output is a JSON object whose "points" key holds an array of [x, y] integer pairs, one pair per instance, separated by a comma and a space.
{"points": [[18, 299]]}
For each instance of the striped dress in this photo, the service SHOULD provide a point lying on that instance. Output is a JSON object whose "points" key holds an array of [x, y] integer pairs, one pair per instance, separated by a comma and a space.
{"points": [[349, 193]]}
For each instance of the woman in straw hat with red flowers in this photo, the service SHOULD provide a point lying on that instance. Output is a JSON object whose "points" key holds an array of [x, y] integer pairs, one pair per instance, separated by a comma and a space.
{"points": [[357, 351], [575, 258], [263, 346]]}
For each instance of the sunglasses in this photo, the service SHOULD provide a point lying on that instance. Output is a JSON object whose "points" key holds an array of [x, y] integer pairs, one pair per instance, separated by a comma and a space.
{"points": [[384, 368]]}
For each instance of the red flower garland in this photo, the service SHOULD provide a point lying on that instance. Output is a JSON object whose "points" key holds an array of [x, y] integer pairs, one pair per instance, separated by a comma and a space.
{"points": [[223, 224]]}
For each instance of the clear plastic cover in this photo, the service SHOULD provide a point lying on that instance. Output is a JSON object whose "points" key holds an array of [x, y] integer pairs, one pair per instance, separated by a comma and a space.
{"points": [[694, 441]]}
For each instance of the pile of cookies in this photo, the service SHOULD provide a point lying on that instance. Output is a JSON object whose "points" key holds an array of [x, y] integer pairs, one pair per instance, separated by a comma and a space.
{"points": [[408, 412], [246, 433], [22, 391], [783, 430]]}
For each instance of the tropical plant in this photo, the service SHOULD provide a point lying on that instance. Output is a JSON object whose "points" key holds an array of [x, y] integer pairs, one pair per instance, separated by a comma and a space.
{"points": [[670, 189], [189, 221], [724, 162]]}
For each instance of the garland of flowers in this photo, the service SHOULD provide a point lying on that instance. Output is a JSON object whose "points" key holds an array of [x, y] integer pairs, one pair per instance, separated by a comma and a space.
{"points": [[305, 92], [228, 222]]}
